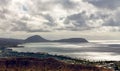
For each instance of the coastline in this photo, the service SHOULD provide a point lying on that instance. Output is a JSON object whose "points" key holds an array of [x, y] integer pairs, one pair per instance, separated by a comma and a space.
{"points": [[108, 65]]}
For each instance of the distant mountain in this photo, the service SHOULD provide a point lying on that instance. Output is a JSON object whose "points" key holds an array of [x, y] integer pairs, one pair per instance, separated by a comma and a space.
{"points": [[36, 38], [8, 42], [72, 40]]}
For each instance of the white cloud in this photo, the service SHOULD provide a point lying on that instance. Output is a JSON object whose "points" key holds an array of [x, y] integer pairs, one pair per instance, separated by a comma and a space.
{"points": [[58, 15]]}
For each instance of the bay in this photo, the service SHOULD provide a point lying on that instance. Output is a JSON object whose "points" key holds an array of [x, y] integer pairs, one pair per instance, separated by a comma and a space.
{"points": [[89, 51]]}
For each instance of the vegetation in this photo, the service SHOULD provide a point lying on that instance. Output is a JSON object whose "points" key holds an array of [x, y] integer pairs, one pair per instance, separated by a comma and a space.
{"points": [[70, 62], [48, 64]]}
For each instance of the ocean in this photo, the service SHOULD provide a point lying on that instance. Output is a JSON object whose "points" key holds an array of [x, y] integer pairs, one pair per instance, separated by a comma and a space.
{"points": [[94, 51]]}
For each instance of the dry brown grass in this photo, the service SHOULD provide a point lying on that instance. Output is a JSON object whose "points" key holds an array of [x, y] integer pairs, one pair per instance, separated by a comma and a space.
{"points": [[50, 64]]}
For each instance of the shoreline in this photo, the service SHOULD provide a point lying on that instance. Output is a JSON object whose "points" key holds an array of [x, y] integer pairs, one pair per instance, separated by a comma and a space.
{"points": [[47, 64], [68, 60]]}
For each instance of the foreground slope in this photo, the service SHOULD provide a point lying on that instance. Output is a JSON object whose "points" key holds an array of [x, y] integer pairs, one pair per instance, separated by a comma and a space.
{"points": [[49, 64]]}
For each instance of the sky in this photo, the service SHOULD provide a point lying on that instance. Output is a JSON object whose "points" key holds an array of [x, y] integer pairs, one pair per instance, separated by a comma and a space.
{"points": [[55, 19]]}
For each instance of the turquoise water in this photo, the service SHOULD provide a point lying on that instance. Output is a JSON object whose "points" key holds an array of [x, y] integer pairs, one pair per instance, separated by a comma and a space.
{"points": [[91, 51]]}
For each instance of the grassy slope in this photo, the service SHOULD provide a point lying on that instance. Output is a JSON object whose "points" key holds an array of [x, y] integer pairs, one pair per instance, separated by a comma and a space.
{"points": [[48, 64], [20, 61]]}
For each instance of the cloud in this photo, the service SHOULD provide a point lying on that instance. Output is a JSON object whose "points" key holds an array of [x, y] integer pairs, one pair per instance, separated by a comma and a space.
{"points": [[109, 4], [67, 4], [58, 15], [50, 20], [4, 2], [78, 21]]}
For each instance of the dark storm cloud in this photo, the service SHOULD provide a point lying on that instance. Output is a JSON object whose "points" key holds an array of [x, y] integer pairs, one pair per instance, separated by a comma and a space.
{"points": [[77, 19], [3, 13], [20, 26], [3, 8], [109, 4], [39, 30], [51, 21], [99, 15], [67, 4], [112, 22]]}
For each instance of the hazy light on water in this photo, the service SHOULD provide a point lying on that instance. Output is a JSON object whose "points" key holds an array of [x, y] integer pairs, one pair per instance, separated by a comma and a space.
{"points": [[91, 51]]}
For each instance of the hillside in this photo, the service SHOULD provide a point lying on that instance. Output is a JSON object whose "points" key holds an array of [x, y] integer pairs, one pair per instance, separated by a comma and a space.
{"points": [[49, 64]]}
